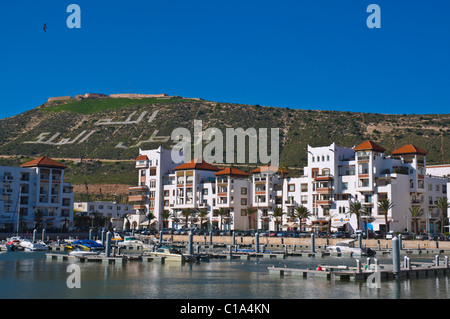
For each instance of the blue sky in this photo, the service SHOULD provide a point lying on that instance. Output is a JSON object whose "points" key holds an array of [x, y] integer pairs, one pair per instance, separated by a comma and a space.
{"points": [[316, 54]]}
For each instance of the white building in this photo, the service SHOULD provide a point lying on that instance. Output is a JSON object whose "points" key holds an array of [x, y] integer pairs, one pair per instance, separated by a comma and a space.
{"points": [[334, 178], [35, 187], [117, 214]]}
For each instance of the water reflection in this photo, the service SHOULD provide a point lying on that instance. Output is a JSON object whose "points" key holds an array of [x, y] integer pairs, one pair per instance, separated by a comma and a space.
{"points": [[32, 276]]}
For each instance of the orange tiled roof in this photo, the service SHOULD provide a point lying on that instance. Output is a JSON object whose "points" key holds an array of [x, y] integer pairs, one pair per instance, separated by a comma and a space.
{"points": [[266, 169], [142, 158], [197, 164], [409, 149], [369, 146], [231, 171], [43, 161]]}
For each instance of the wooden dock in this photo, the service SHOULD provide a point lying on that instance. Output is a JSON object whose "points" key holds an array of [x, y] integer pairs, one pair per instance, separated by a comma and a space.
{"points": [[418, 270], [100, 258]]}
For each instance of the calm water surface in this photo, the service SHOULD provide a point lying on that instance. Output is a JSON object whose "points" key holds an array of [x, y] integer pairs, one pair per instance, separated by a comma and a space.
{"points": [[31, 276]]}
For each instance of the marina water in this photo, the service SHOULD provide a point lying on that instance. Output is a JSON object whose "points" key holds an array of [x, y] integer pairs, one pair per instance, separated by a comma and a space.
{"points": [[30, 275]]}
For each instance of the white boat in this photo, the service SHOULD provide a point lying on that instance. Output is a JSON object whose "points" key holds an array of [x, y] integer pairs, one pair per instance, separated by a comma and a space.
{"points": [[130, 241], [28, 245], [348, 246], [79, 252], [171, 253]]}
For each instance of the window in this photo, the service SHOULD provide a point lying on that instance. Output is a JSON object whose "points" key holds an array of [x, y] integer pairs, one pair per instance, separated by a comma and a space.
{"points": [[142, 172], [244, 201], [205, 191], [153, 183], [244, 191], [291, 188], [437, 188], [315, 172], [166, 192], [304, 187], [166, 203]]}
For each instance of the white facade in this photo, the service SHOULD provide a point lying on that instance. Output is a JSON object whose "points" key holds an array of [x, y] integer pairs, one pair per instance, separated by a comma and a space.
{"points": [[334, 178], [38, 187]]}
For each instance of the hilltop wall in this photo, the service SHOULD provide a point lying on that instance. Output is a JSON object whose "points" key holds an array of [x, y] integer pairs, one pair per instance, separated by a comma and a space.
{"points": [[114, 96]]}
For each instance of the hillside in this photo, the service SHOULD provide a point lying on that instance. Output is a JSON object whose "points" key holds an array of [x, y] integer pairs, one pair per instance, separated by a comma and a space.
{"points": [[115, 129]]}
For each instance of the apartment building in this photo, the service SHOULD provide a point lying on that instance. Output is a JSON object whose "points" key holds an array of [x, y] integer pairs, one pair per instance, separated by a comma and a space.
{"points": [[337, 176], [153, 166], [334, 178], [111, 211], [36, 188]]}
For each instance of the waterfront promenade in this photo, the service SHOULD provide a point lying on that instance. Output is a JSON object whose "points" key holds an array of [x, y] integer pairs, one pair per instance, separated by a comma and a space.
{"points": [[306, 242]]}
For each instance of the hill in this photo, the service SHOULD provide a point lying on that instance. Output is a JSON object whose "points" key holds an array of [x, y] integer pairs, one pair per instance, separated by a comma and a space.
{"points": [[115, 128]]}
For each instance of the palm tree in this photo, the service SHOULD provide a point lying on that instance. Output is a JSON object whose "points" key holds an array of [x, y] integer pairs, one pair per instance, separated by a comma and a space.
{"points": [[150, 216], [165, 216], [385, 204], [186, 213], [415, 211], [38, 217], [277, 213], [301, 212], [222, 212], [249, 211], [357, 209], [443, 205], [202, 214]]}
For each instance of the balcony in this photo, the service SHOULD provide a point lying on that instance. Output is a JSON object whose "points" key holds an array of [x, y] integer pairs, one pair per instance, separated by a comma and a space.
{"points": [[289, 203], [142, 164], [323, 178], [325, 202], [138, 189], [364, 158], [324, 190], [137, 198]]}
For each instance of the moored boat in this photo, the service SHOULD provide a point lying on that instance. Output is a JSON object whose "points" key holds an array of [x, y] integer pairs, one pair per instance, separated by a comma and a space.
{"points": [[348, 246], [86, 244], [29, 245], [80, 252], [171, 253]]}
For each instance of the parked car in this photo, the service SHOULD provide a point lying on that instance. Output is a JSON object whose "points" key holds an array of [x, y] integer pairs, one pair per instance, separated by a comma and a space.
{"points": [[407, 236], [323, 234], [421, 236], [390, 235], [378, 234], [436, 236], [304, 234], [291, 233], [340, 234], [166, 231]]}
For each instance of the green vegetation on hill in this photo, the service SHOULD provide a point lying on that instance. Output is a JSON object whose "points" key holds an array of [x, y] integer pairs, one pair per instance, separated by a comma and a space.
{"points": [[298, 128], [92, 106]]}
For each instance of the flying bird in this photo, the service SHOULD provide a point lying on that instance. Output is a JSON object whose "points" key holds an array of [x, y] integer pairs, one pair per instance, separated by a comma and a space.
{"points": [[45, 27]]}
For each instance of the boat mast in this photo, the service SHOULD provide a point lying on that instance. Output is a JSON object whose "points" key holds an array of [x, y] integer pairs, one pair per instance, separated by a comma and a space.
{"points": [[18, 211]]}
